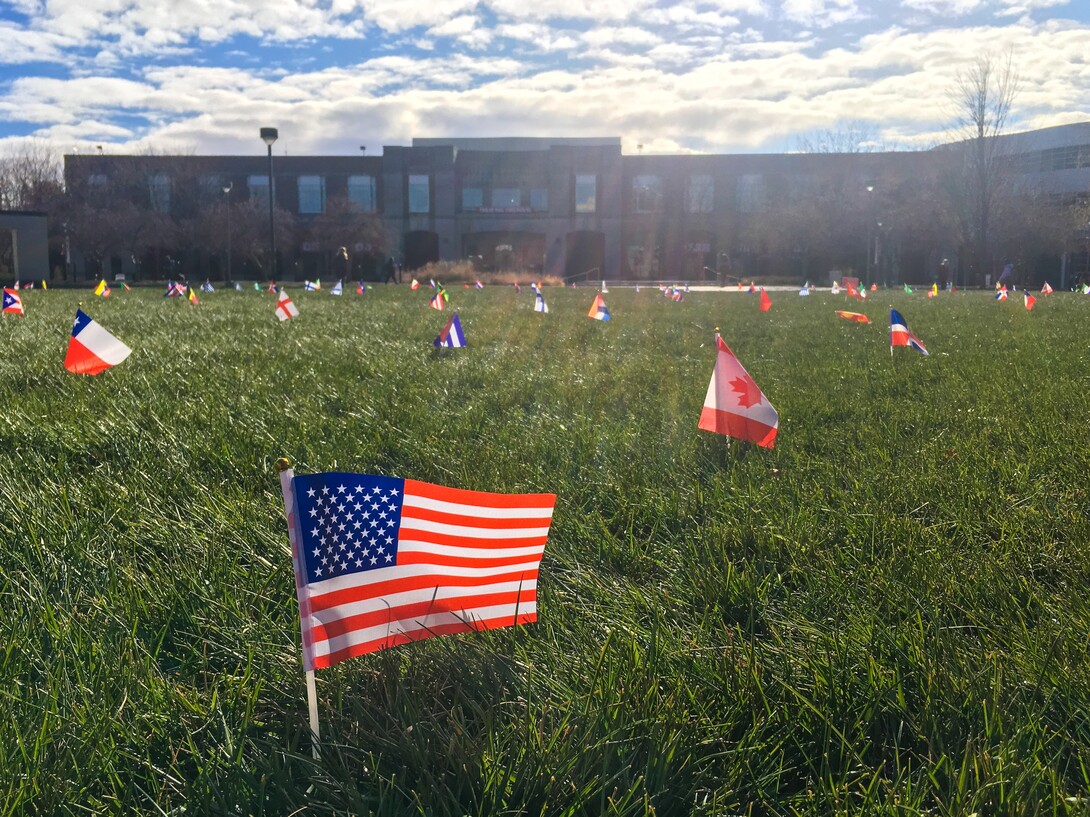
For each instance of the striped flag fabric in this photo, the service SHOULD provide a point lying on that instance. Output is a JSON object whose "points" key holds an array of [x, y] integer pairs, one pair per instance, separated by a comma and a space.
{"points": [[539, 303], [285, 308], [13, 302], [451, 335], [437, 301], [91, 348], [735, 406], [598, 309], [207, 286], [478, 284], [899, 334], [856, 317], [381, 561]]}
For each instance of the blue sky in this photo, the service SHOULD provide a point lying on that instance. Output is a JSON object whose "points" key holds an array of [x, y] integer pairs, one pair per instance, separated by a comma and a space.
{"points": [[201, 76]]}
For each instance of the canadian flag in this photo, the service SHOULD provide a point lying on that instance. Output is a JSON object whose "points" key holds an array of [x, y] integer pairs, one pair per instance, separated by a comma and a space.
{"points": [[735, 406], [92, 349], [285, 308]]}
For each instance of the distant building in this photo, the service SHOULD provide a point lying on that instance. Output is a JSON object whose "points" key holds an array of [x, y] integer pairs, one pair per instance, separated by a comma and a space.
{"points": [[578, 208]]}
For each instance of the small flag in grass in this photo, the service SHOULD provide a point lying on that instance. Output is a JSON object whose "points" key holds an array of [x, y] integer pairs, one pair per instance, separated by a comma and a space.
{"points": [[856, 317], [766, 302], [99, 290], [734, 405], [451, 336], [193, 296], [539, 303], [13, 303], [899, 334], [285, 308], [338, 288], [381, 561], [1029, 299], [598, 309], [1046, 289], [207, 286], [91, 348]]}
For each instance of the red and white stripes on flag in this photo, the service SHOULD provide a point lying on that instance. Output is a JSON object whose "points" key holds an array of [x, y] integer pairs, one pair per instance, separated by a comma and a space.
{"points": [[382, 561]]}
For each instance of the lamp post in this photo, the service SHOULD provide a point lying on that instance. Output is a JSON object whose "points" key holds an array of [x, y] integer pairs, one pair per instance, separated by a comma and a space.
{"points": [[870, 228], [268, 136], [227, 200]]}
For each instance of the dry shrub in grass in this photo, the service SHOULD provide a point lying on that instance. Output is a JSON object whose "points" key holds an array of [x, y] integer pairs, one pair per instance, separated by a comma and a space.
{"points": [[458, 271]]}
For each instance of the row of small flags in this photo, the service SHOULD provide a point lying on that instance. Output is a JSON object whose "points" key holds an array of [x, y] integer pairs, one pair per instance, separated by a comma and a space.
{"points": [[28, 285]]}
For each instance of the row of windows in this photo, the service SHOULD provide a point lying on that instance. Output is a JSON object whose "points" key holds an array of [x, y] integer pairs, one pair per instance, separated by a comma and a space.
{"points": [[647, 194], [1071, 157]]}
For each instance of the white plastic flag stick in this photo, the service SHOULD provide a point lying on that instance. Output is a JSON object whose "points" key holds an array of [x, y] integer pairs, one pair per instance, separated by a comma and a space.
{"points": [[295, 538]]}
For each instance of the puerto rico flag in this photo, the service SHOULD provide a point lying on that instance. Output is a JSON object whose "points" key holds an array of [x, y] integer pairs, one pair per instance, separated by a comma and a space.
{"points": [[285, 308], [598, 309], [12, 302], [451, 336], [899, 334], [92, 349], [381, 561], [734, 405]]}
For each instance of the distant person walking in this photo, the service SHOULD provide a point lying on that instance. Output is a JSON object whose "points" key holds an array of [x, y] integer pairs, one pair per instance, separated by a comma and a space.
{"points": [[390, 270]]}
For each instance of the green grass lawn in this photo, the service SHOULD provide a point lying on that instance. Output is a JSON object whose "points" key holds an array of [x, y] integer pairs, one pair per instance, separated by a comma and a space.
{"points": [[885, 614]]}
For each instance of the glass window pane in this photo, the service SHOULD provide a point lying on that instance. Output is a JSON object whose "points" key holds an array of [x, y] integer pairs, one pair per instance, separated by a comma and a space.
{"points": [[419, 194], [159, 193], [472, 199], [647, 191], [506, 197], [586, 194], [701, 194], [311, 194], [750, 193], [539, 200], [361, 192]]}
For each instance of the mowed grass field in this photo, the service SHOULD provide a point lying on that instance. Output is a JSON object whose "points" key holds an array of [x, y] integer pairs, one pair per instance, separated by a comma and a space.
{"points": [[885, 614]]}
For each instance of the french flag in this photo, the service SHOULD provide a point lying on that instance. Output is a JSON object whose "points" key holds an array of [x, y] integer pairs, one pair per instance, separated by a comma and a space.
{"points": [[92, 349]]}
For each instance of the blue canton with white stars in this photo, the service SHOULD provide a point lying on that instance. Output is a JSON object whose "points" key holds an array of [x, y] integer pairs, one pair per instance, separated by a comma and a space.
{"points": [[349, 522]]}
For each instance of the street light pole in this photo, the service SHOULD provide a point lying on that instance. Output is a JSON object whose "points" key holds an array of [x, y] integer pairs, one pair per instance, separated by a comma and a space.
{"points": [[227, 200], [870, 229], [268, 136]]}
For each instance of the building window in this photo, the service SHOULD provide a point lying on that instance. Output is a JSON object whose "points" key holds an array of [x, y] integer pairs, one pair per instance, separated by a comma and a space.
{"points": [[159, 192], [311, 194], [419, 194], [539, 200], [647, 194], [472, 199], [701, 194], [750, 193], [586, 189], [506, 197], [259, 188], [361, 192]]}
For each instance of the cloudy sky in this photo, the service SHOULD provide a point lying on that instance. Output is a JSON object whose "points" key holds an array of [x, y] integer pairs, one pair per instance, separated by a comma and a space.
{"points": [[201, 76]]}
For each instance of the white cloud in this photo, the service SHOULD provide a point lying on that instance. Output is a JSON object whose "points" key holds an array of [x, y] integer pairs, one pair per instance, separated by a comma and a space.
{"points": [[820, 13]]}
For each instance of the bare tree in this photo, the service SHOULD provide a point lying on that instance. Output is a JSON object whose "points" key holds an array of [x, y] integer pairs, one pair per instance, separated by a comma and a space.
{"points": [[983, 95], [844, 137]]}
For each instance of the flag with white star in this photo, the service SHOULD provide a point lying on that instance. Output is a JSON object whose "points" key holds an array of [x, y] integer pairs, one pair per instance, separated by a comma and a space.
{"points": [[381, 561]]}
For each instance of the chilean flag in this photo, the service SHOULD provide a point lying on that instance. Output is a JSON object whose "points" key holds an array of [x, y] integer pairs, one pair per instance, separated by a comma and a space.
{"points": [[598, 310], [12, 302], [735, 406], [92, 349], [451, 336], [899, 334]]}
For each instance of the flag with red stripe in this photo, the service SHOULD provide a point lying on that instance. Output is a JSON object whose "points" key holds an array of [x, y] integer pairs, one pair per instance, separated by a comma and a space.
{"points": [[381, 561], [735, 406]]}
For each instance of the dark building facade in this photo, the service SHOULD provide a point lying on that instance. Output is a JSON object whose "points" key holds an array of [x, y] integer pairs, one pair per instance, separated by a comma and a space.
{"points": [[580, 209]]}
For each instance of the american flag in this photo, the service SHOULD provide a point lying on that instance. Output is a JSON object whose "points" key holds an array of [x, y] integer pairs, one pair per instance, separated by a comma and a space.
{"points": [[381, 561]]}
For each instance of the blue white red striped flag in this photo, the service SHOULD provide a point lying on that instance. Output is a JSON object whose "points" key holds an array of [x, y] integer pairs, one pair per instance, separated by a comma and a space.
{"points": [[899, 334], [381, 561]]}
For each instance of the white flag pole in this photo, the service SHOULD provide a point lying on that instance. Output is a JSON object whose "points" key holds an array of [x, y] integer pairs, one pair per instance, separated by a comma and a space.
{"points": [[283, 465]]}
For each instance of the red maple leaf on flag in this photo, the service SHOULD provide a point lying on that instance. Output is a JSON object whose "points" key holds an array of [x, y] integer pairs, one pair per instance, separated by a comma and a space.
{"points": [[748, 393]]}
